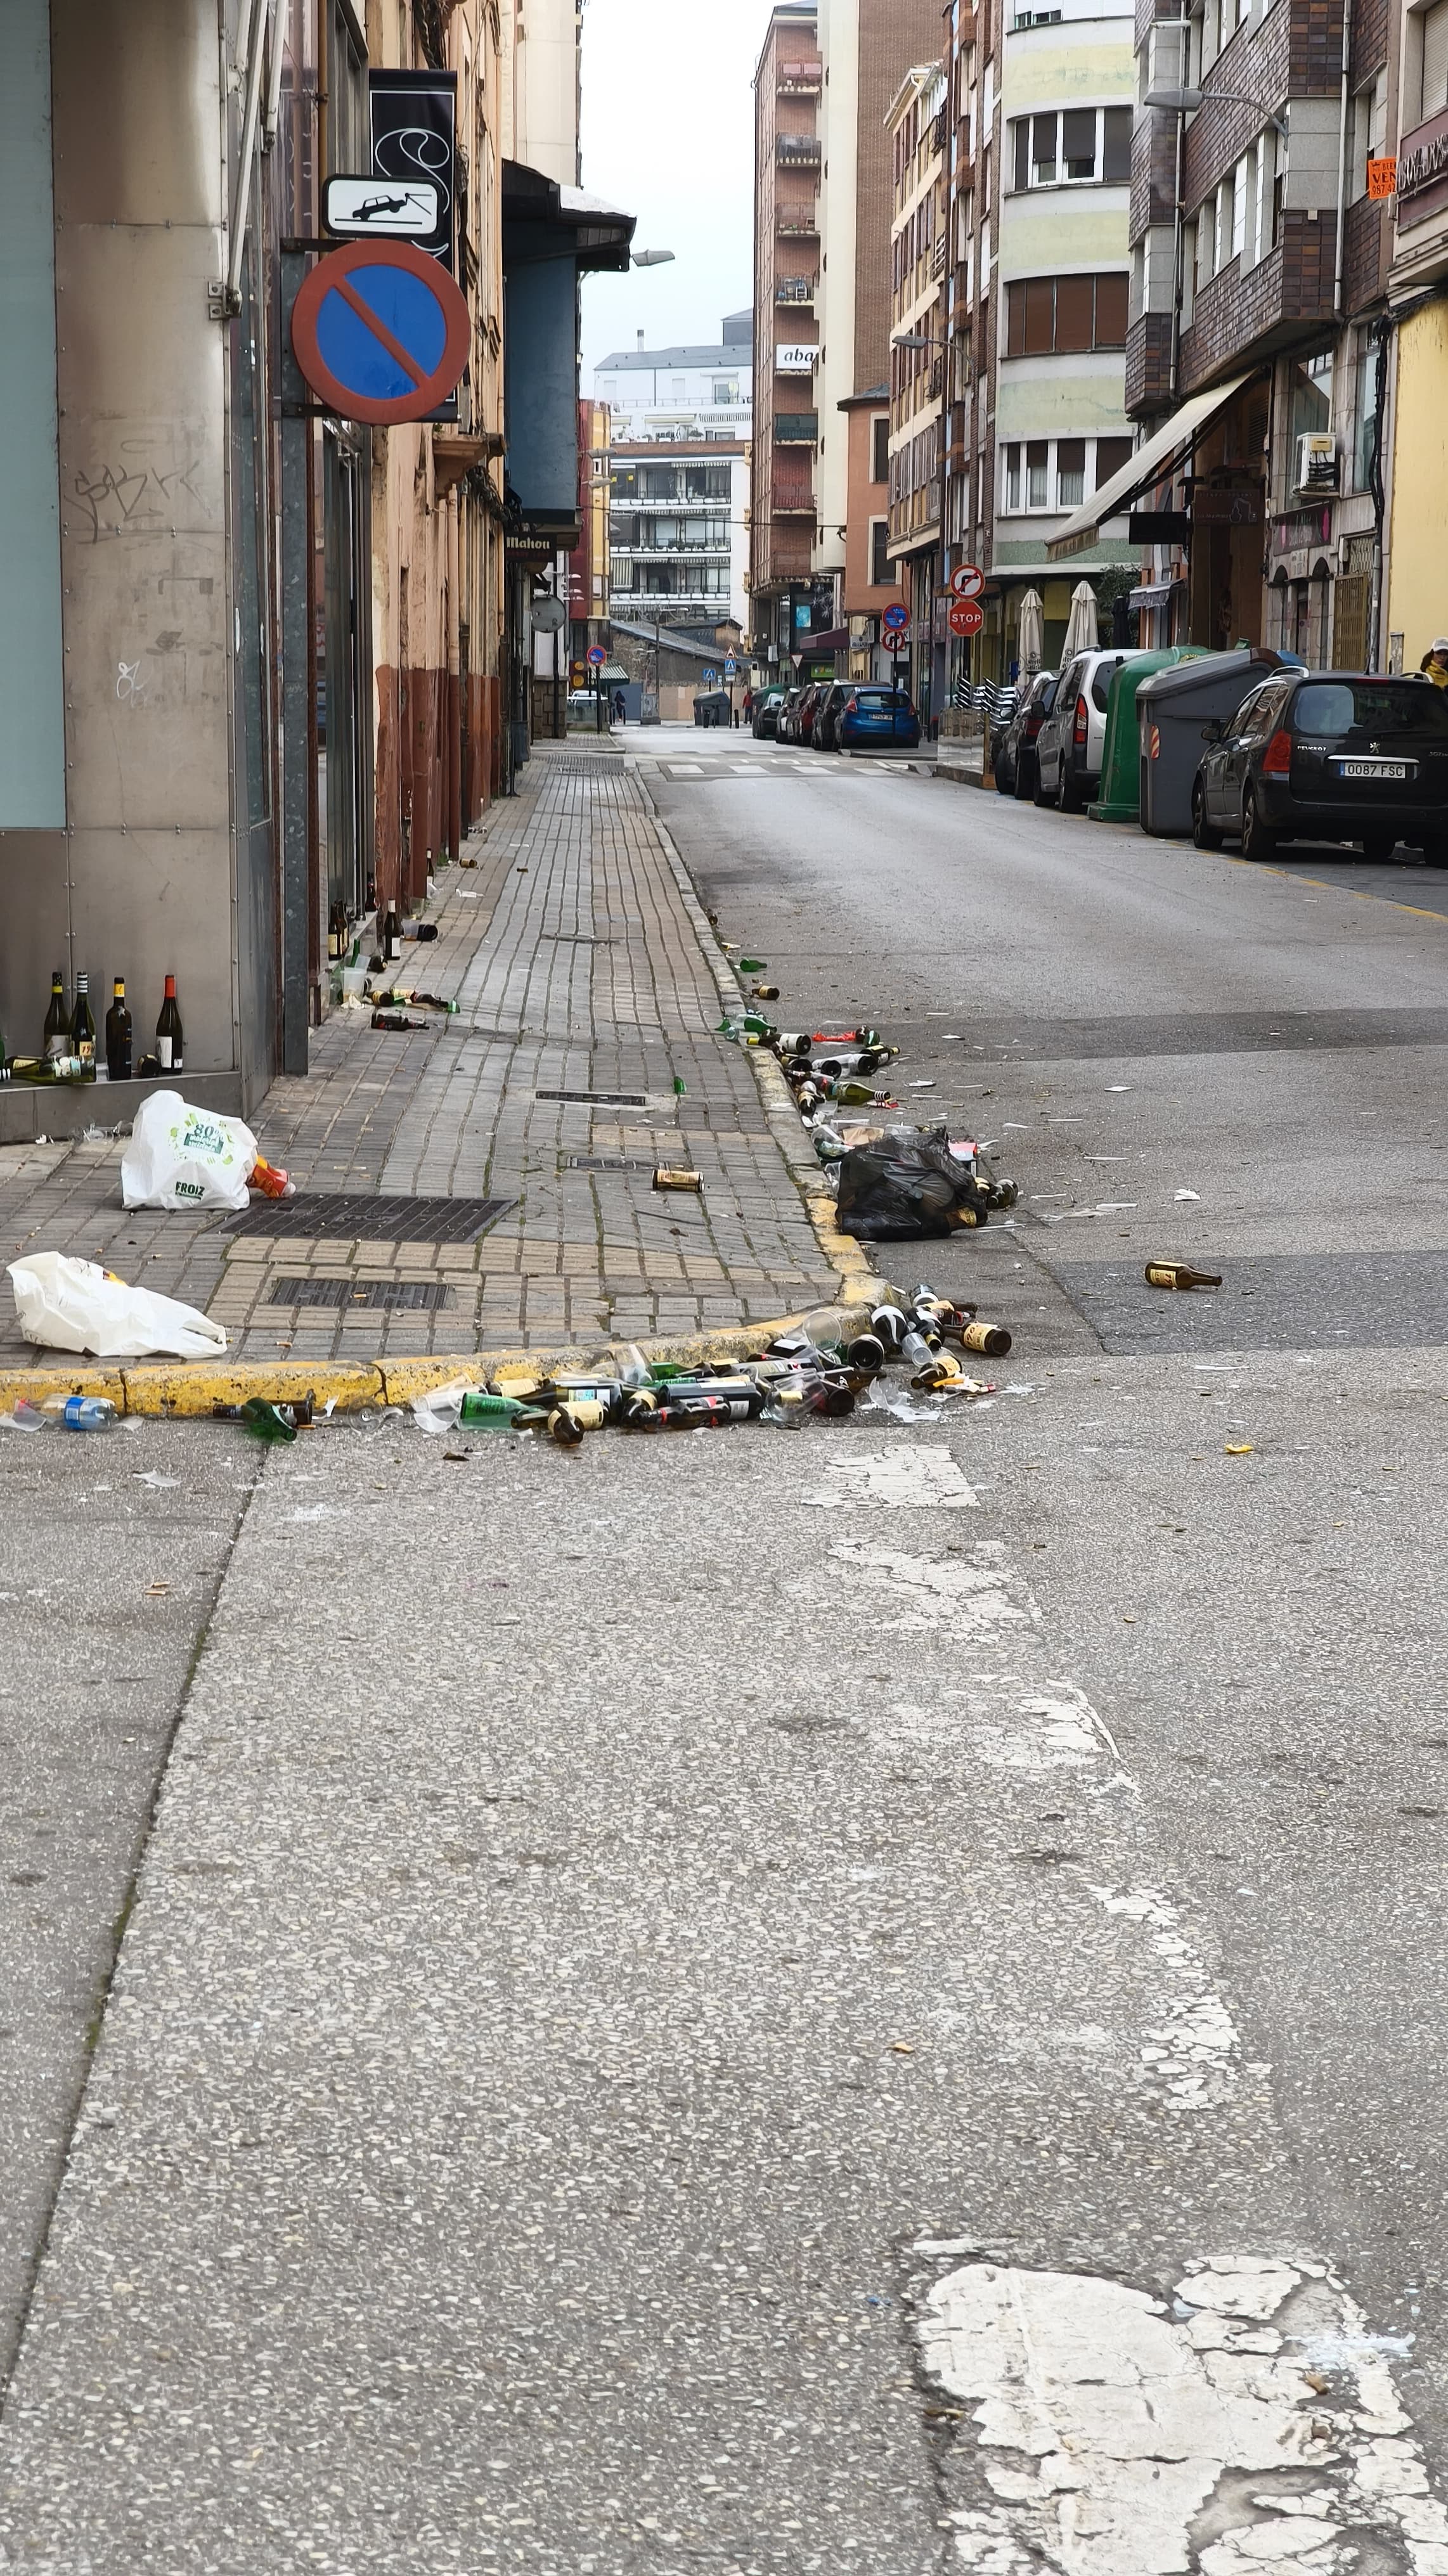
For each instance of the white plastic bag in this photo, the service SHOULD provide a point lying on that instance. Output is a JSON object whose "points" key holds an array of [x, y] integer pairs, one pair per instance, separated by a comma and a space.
{"points": [[70, 1305], [184, 1157]]}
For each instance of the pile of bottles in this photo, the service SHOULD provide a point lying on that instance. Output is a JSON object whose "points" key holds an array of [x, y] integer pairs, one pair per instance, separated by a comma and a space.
{"points": [[70, 1050], [830, 1070], [791, 1378]]}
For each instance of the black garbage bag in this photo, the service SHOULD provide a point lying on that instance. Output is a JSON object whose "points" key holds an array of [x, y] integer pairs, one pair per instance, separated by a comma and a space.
{"points": [[907, 1183]]}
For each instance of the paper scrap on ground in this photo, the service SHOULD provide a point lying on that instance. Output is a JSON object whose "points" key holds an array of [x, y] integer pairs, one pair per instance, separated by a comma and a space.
{"points": [[1113, 2438], [1188, 1194]]}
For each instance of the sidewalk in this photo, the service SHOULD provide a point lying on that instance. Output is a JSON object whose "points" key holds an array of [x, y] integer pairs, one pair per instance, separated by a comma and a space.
{"points": [[576, 950]]}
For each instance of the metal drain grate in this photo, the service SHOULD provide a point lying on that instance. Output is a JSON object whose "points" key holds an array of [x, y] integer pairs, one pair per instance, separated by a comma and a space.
{"points": [[428, 1295], [353, 1218], [609, 1163], [601, 1099]]}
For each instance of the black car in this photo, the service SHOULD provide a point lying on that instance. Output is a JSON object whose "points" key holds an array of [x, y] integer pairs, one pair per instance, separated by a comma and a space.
{"points": [[1013, 755], [765, 719], [827, 714], [1327, 756]]}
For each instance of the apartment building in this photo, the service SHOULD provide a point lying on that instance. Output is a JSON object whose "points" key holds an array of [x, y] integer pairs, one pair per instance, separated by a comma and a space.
{"points": [[870, 583], [679, 530], [1260, 257], [916, 125], [689, 392], [1405, 398], [588, 564], [866, 49], [788, 89]]}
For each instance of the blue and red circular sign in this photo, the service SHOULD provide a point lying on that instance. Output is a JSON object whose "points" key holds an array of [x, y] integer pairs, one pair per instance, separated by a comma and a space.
{"points": [[597, 656], [894, 617], [381, 332]]}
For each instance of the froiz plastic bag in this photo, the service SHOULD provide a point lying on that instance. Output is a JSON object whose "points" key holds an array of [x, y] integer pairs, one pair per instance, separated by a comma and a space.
{"points": [[180, 1157], [907, 1183], [67, 1305]]}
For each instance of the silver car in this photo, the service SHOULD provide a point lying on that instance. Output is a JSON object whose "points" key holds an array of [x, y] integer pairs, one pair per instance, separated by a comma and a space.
{"points": [[1069, 744]]}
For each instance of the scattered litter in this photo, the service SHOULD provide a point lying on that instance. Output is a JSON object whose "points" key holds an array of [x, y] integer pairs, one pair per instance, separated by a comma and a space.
{"points": [[181, 1157], [1118, 1086], [920, 1086], [159, 1484], [154, 1590], [1238, 1449], [667, 1177], [68, 1305], [1187, 1194], [1180, 1274]]}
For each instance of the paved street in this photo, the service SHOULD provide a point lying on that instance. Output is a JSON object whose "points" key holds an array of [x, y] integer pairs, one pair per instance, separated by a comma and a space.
{"points": [[588, 2001]]}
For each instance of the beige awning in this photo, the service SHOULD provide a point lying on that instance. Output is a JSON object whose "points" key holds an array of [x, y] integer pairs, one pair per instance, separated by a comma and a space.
{"points": [[1165, 448]]}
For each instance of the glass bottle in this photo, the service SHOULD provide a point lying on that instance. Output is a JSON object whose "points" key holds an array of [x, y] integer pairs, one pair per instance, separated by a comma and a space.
{"points": [[169, 1047], [57, 1018], [118, 1034]]}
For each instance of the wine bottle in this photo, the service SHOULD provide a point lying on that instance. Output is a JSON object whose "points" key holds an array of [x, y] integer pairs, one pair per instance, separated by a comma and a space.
{"points": [[337, 933], [168, 1032], [82, 1026], [118, 1034], [392, 935], [57, 1018]]}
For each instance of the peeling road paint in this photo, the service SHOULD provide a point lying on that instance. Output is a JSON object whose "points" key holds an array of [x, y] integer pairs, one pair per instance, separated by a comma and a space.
{"points": [[1193, 2052], [1119, 2437], [975, 1596], [900, 1478]]}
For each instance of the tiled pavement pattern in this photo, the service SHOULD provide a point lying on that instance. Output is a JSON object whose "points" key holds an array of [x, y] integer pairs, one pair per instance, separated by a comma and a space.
{"points": [[572, 954]]}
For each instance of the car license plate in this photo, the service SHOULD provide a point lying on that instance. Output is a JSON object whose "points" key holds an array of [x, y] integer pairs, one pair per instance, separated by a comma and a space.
{"points": [[1376, 768]]}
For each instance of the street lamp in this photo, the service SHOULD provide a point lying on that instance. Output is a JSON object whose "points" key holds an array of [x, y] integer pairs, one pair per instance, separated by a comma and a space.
{"points": [[650, 258]]}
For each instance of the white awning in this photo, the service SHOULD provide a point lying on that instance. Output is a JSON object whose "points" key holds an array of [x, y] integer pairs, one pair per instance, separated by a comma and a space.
{"points": [[1165, 448]]}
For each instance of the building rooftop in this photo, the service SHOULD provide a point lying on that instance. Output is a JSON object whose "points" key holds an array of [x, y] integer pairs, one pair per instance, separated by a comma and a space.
{"points": [[735, 348]]}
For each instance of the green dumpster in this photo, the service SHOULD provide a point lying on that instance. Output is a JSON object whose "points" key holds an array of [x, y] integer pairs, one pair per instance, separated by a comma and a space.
{"points": [[1119, 790]]}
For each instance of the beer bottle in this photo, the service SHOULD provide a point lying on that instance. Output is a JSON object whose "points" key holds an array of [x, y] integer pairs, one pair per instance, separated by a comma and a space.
{"points": [[83, 1027], [890, 1325], [1180, 1274], [118, 1034], [170, 1046], [57, 1018], [993, 1339]]}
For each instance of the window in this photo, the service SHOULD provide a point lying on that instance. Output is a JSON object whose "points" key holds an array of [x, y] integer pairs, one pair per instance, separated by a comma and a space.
{"points": [[1111, 455], [1047, 316], [1013, 476], [1367, 410], [1369, 131], [1079, 144], [880, 448], [879, 562], [1038, 466], [1311, 399], [1057, 473], [1070, 473], [1433, 58]]}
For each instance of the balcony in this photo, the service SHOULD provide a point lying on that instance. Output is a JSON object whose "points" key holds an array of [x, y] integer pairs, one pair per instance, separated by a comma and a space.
{"points": [[797, 223], [795, 290], [792, 500], [797, 151], [796, 428], [799, 80]]}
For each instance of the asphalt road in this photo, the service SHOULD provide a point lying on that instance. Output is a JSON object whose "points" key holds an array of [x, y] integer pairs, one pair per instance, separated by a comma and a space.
{"points": [[626, 1936]]}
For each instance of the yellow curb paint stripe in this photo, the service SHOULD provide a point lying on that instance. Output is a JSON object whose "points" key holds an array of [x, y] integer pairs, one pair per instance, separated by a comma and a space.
{"points": [[1324, 885]]}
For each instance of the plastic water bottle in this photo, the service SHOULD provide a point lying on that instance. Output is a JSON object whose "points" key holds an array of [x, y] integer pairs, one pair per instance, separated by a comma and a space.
{"points": [[83, 1412]]}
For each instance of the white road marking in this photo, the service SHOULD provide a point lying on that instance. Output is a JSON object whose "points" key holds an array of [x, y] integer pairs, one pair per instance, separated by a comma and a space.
{"points": [[901, 1479], [1115, 2439], [975, 1598], [1193, 2054]]}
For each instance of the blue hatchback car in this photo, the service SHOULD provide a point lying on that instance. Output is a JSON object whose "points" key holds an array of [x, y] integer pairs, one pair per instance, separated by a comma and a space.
{"points": [[878, 719]]}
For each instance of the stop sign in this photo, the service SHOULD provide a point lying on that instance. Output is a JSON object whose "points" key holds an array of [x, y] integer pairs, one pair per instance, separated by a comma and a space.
{"points": [[967, 617]]}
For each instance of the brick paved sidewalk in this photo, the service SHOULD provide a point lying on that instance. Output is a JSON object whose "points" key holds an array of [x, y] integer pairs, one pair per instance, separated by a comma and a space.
{"points": [[575, 954]]}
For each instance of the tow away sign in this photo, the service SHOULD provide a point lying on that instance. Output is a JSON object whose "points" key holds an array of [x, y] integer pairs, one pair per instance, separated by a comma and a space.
{"points": [[356, 209]]}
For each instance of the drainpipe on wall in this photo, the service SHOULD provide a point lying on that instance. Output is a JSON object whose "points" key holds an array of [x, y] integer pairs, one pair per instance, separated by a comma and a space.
{"points": [[1383, 334], [1178, 258], [1342, 163]]}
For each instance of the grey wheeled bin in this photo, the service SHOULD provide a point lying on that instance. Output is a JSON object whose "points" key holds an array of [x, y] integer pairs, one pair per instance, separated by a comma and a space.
{"points": [[1172, 707]]}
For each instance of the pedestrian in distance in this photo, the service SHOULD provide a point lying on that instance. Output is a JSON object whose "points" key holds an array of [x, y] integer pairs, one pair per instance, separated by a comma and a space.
{"points": [[620, 706], [748, 704]]}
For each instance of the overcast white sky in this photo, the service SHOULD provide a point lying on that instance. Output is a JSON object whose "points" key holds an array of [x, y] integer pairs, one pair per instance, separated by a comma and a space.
{"points": [[668, 134]]}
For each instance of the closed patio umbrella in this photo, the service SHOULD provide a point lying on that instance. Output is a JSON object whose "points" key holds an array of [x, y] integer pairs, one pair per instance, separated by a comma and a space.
{"points": [[1081, 624], [1032, 634]]}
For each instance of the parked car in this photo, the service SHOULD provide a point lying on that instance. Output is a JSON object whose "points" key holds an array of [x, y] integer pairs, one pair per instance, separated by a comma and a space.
{"points": [[1070, 738], [878, 719], [826, 732], [767, 705], [1014, 756], [802, 724], [787, 729], [1327, 756]]}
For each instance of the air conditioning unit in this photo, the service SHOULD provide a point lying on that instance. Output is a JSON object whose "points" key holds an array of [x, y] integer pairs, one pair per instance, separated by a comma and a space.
{"points": [[1317, 464]]}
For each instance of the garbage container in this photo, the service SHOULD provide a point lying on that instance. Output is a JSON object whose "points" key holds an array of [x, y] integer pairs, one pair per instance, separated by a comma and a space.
{"points": [[1118, 787], [1171, 709], [711, 707]]}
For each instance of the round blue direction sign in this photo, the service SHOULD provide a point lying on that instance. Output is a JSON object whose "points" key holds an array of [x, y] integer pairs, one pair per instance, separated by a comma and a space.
{"points": [[381, 332], [894, 617]]}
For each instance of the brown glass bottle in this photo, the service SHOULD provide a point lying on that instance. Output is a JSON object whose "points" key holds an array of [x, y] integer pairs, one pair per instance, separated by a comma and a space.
{"points": [[170, 1049], [1180, 1274]]}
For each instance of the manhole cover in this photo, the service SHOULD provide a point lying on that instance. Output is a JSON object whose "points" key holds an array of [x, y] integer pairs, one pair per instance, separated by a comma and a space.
{"points": [[352, 1218], [600, 1099], [428, 1294]]}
